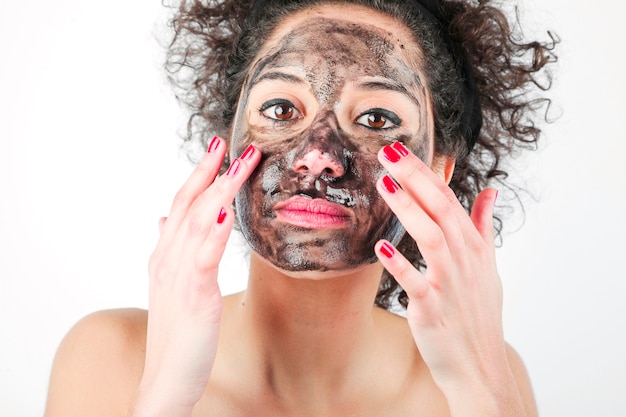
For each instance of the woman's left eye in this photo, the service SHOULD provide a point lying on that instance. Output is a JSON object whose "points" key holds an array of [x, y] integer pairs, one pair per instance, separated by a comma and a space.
{"points": [[282, 110], [378, 119]]}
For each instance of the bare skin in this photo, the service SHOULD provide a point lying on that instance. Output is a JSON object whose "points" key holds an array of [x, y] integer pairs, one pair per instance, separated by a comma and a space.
{"points": [[307, 341]]}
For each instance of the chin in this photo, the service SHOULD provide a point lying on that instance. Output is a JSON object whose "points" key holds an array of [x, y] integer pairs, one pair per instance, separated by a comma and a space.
{"points": [[314, 271]]}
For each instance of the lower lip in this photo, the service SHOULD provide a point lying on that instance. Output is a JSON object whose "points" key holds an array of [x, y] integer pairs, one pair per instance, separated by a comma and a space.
{"points": [[309, 220]]}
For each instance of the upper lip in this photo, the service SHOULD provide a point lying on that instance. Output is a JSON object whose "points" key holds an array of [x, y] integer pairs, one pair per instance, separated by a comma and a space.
{"points": [[313, 205]]}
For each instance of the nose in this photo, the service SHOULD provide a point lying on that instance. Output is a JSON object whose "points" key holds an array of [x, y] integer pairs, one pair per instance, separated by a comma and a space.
{"points": [[317, 162], [321, 152]]}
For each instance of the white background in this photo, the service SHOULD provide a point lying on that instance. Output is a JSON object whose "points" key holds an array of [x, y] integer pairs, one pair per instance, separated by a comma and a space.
{"points": [[89, 161]]}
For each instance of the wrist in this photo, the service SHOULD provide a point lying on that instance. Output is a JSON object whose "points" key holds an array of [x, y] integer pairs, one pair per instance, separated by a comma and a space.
{"points": [[149, 403], [486, 397]]}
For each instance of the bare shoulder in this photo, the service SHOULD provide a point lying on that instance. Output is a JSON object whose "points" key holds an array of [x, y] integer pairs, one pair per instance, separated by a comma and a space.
{"points": [[425, 397], [98, 365]]}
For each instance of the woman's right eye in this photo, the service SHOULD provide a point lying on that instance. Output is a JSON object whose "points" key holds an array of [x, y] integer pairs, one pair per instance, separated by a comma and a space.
{"points": [[280, 109]]}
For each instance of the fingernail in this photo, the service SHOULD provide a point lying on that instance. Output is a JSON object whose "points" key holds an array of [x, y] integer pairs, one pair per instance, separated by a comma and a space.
{"points": [[399, 146], [247, 154], [221, 216], [215, 142], [387, 250], [390, 185], [390, 154], [233, 168]]}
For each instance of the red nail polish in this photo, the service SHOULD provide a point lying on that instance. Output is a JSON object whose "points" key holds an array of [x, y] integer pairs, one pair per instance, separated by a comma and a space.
{"points": [[387, 250], [215, 142], [390, 185], [247, 154], [233, 168], [399, 146], [221, 216], [390, 154]]}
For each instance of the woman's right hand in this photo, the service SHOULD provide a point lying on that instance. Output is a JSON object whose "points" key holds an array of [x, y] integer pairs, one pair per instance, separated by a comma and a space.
{"points": [[185, 303]]}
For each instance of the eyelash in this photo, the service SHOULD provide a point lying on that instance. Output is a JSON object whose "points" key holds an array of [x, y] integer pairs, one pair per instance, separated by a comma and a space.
{"points": [[383, 115], [386, 115], [279, 102]]}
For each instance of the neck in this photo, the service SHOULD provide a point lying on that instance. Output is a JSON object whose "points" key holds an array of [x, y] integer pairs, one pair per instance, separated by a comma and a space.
{"points": [[311, 334]]}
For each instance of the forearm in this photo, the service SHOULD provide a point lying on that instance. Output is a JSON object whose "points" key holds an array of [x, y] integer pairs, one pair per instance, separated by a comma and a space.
{"points": [[151, 404]]}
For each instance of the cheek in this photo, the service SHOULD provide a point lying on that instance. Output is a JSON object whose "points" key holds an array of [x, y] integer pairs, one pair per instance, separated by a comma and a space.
{"points": [[251, 215], [258, 194], [367, 170], [269, 175], [374, 214]]}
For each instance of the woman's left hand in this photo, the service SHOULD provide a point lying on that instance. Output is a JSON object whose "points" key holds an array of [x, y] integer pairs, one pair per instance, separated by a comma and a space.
{"points": [[455, 306]]}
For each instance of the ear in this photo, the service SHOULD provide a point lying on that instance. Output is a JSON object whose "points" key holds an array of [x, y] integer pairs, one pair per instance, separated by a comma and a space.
{"points": [[443, 166]]}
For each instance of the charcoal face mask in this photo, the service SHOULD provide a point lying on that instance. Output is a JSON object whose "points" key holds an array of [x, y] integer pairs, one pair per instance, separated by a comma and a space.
{"points": [[328, 56]]}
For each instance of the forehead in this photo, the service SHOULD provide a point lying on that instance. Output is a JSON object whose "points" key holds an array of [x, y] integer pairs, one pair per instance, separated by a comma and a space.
{"points": [[340, 40]]}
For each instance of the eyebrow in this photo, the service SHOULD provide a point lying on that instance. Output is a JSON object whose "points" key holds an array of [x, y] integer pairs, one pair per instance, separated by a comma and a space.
{"points": [[374, 85], [389, 86], [278, 75]]}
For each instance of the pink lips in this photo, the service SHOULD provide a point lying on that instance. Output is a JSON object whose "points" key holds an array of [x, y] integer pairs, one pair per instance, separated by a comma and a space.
{"points": [[312, 213]]}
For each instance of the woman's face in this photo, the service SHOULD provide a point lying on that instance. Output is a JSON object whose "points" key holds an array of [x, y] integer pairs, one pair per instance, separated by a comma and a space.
{"points": [[330, 87]]}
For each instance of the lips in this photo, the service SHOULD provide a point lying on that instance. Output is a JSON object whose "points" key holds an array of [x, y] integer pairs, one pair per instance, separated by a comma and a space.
{"points": [[312, 213]]}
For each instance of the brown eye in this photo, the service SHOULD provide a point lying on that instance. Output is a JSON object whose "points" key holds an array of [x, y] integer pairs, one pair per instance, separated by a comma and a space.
{"points": [[378, 119], [280, 110], [283, 112]]}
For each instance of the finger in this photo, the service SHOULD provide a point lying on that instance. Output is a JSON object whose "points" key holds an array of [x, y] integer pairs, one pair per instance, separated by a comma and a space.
{"points": [[202, 176], [204, 269], [428, 235], [185, 238], [212, 249], [197, 225], [208, 225], [410, 279], [415, 176], [422, 186], [482, 213]]}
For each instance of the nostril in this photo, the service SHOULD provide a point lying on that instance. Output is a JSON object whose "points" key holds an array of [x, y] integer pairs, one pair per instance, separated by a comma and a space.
{"points": [[300, 167], [316, 163]]}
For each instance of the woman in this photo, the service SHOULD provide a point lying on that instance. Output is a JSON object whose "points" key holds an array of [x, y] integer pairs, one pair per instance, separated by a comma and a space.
{"points": [[356, 137]]}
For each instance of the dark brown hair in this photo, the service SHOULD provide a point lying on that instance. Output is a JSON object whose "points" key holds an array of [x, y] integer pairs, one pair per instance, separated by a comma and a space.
{"points": [[214, 42]]}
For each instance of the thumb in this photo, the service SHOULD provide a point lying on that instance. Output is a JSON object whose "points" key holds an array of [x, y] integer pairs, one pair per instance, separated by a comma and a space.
{"points": [[482, 213]]}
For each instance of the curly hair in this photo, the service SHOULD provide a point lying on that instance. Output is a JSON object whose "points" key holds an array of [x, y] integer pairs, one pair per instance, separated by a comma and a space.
{"points": [[215, 41]]}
